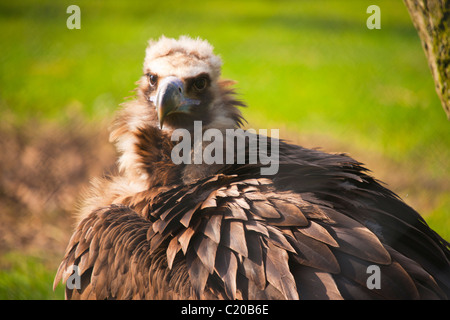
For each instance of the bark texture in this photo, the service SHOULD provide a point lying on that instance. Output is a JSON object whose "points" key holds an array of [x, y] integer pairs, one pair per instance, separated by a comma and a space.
{"points": [[431, 18]]}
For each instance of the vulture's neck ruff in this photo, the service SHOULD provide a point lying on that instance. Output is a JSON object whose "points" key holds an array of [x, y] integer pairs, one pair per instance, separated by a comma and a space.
{"points": [[180, 85]]}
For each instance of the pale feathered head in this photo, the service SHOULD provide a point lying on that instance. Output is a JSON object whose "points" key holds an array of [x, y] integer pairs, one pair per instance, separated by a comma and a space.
{"points": [[182, 83]]}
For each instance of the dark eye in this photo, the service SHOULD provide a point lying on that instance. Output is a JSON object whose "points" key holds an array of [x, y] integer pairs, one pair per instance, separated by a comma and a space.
{"points": [[152, 79], [200, 83]]}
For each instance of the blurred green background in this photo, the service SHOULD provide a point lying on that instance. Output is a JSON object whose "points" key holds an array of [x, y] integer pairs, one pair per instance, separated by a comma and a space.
{"points": [[311, 68]]}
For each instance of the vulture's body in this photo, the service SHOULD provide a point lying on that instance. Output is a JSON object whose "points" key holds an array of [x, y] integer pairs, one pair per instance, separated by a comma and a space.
{"points": [[317, 229]]}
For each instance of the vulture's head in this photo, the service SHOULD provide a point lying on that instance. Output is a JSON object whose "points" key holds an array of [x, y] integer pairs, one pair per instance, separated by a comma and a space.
{"points": [[181, 84]]}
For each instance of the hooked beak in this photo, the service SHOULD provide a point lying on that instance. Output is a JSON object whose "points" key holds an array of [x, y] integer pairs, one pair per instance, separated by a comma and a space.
{"points": [[170, 98]]}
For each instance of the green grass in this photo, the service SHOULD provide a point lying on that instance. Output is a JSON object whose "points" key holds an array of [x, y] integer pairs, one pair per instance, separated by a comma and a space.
{"points": [[27, 277], [305, 64], [308, 66]]}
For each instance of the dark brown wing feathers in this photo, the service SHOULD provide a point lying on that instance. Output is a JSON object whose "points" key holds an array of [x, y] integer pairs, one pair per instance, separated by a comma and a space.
{"points": [[309, 232]]}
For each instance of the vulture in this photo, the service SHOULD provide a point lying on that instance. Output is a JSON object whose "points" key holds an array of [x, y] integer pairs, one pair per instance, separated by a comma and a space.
{"points": [[320, 227]]}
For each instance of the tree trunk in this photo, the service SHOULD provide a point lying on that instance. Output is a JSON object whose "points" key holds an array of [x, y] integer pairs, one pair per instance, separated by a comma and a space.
{"points": [[431, 18]]}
